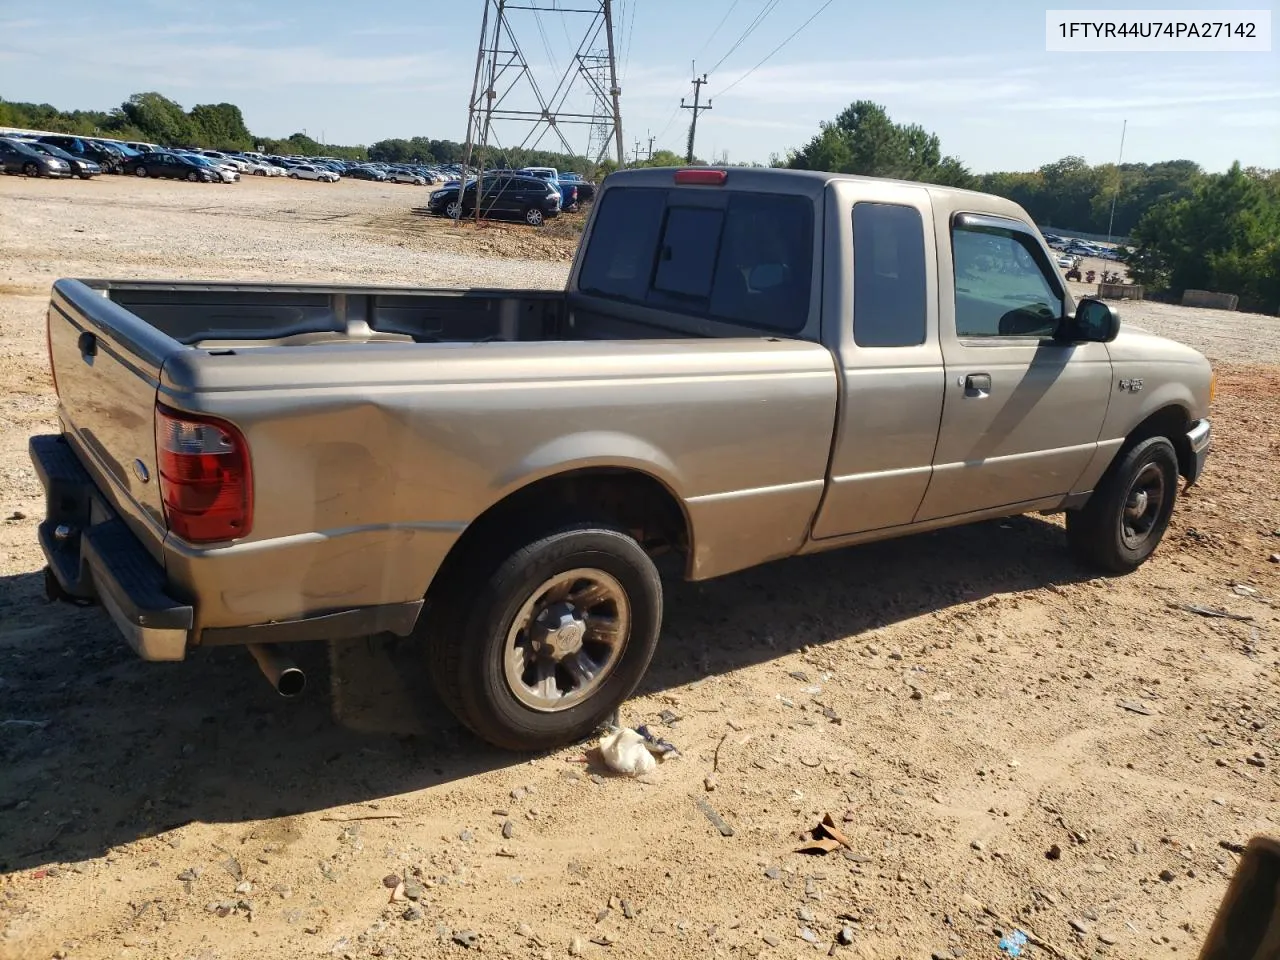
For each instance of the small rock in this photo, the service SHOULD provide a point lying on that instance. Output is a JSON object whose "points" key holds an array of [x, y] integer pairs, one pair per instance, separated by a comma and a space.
{"points": [[799, 675], [669, 717], [191, 873], [244, 887], [412, 912], [232, 866], [391, 881], [465, 938], [957, 952], [710, 782], [808, 936], [1079, 926], [1255, 761], [845, 936], [977, 845], [1108, 939], [770, 939], [895, 653], [508, 829], [773, 873], [524, 930], [1054, 852], [518, 793], [804, 915], [1274, 558], [1167, 875], [466, 836], [628, 910], [17, 515], [283, 890], [576, 948], [603, 915], [916, 694], [413, 889]]}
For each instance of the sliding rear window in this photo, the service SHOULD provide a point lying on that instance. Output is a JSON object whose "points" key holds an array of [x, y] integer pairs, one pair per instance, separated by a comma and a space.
{"points": [[744, 258]]}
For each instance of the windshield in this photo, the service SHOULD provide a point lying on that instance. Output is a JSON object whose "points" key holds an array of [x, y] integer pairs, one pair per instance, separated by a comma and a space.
{"points": [[51, 150]]}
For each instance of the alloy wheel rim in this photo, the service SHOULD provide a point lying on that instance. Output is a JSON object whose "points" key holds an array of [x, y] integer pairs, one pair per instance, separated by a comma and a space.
{"points": [[566, 639]]}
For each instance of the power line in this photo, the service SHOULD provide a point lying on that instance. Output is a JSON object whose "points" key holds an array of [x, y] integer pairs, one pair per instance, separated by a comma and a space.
{"points": [[776, 49], [751, 28], [706, 43]]}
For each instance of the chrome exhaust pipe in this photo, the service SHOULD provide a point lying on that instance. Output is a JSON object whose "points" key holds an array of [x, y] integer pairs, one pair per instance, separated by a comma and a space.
{"points": [[283, 674]]}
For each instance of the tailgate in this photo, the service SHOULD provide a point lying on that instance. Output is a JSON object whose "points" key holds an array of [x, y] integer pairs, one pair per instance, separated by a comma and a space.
{"points": [[106, 365]]}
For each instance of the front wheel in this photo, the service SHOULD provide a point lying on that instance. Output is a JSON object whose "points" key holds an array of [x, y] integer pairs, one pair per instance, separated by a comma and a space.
{"points": [[139, 171], [533, 217], [1125, 518], [192, 177], [453, 210], [31, 170], [541, 649]]}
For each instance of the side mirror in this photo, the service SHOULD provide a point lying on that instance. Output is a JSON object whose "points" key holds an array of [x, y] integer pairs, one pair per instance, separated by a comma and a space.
{"points": [[1094, 322], [1247, 924]]}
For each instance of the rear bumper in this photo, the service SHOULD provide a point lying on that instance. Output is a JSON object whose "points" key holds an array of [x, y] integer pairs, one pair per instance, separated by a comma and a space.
{"points": [[1199, 438], [93, 556]]}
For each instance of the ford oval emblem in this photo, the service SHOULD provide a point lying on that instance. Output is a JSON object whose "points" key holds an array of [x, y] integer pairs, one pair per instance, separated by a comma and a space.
{"points": [[140, 471]]}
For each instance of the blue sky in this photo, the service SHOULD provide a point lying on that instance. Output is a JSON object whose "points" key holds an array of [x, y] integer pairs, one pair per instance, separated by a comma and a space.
{"points": [[357, 72]]}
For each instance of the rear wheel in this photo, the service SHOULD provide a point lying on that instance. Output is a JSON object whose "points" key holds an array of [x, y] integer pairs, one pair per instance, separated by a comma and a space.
{"points": [[140, 171], [86, 176], [533, 650], [259, 173], [533, 217], [192, 177], [1126, 517]]}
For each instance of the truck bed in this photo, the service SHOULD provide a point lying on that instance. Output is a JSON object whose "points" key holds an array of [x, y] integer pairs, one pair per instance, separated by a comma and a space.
{"points": [[413, 412]]}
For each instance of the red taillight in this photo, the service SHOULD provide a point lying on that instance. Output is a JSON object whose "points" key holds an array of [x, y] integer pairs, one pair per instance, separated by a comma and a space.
{"points": [[709, 178], [206, 482]]}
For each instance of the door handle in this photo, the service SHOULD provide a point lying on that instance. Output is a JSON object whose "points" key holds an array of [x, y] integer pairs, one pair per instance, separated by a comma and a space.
{"points": [[977, 385]]}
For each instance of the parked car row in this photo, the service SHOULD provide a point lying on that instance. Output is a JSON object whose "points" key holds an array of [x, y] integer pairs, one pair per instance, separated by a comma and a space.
{"points": [[1082, 248], [531, 193]]}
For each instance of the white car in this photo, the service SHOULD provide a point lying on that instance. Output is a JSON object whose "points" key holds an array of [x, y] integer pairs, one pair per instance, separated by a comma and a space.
{"points": [[406, 176], [304, 171], [258, 168]]}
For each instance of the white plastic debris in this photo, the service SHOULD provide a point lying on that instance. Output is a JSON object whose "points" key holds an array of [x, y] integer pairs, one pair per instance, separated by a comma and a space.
{"points": [[624, 751]]}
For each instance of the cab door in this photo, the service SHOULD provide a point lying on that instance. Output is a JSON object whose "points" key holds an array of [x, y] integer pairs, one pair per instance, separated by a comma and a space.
{"points": [[881, 304], [1022, 411]]}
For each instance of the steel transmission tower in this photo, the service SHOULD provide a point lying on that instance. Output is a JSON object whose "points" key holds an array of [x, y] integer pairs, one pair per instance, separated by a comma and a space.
{"points": [[505, 91]]}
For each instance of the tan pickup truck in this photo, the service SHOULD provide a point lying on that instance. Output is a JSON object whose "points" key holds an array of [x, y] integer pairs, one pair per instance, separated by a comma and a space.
{"points": [[745, 365]]}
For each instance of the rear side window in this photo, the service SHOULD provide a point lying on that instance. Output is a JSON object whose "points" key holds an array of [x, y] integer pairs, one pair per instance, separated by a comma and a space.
{"points": [[745, 259], [888, 275]]}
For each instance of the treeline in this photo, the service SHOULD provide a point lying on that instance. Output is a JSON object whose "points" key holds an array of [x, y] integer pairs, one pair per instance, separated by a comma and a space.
{"points": [[1192, 229], [154, 118]]}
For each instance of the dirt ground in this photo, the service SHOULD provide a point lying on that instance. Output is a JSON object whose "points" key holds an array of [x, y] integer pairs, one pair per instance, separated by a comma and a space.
{"points": [[1006, 741]]}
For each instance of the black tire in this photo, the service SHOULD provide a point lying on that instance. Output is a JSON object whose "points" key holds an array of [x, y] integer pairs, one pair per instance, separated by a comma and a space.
{"points": [[86, 176], [31, 170], [534, 217], [193, 177], [1123, 521], [139, 171], [467, 635]]}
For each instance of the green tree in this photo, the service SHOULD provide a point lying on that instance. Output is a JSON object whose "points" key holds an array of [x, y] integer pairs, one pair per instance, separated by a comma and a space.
{"points": [[1224, 237], [158, 119], [221, 126], [864, 140]]}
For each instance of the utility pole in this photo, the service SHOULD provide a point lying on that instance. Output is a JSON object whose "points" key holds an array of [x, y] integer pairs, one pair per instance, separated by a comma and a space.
{"points": [[697, 108], [1115, 196], [651, 139]]}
